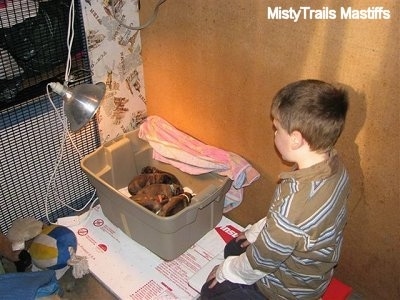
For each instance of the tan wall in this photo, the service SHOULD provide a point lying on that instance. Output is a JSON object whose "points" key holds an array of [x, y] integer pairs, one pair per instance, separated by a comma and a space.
{"points": [[211, 68]]}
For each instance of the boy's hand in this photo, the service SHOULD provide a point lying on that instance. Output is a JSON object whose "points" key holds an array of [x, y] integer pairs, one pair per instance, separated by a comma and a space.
{"points": [[240, 237], [212, 276]]}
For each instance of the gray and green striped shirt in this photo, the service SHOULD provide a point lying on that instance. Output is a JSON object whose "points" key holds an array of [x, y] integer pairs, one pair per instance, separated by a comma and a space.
{"points": [[300, 243]]}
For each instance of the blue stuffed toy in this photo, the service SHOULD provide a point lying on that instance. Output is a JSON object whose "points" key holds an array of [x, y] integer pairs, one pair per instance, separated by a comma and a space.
{"points": [[54, 249]]}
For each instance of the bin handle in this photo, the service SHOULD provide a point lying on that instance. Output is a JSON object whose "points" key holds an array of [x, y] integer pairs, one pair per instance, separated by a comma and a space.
{"points": [[191, 210], [207, 193]]}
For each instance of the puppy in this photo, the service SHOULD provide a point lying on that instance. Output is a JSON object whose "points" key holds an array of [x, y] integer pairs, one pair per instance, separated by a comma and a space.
{"points": [[142, 180], [175, 204], [153, 170], [152, 203], [150, 169], [168, 190]]}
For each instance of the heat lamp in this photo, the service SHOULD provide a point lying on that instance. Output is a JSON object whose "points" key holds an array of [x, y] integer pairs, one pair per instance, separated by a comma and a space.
{"points": [[80, 102]]}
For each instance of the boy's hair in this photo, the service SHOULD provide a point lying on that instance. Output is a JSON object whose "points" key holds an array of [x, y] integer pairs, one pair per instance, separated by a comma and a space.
{"points": [[314, 108]]}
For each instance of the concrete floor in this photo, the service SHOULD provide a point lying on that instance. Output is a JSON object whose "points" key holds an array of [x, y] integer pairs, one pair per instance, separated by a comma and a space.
{"points": [[87, 287]]}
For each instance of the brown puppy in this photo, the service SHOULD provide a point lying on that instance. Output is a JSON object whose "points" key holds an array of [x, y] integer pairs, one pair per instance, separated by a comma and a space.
{"points": [[153, 203], [175, 204], [150, 169], [168, 190], [142, 180]]}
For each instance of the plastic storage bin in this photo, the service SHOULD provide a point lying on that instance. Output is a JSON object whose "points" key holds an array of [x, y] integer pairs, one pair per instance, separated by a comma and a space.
{"points": [[112, 166]]}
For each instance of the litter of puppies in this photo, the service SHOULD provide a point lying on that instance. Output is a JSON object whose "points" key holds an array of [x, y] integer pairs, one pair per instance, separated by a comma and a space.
{"points": [[159, 191]]}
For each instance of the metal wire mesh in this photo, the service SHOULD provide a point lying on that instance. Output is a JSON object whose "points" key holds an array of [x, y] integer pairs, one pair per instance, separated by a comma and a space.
{"points": [[33, 46], [31, 135]]}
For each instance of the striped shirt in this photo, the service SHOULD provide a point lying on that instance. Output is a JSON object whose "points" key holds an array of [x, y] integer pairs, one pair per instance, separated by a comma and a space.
{"points": [[300, 243]]}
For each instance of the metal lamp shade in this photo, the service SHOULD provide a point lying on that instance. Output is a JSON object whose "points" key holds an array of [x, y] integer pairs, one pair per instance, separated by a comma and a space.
{"points": [[80, 102]]}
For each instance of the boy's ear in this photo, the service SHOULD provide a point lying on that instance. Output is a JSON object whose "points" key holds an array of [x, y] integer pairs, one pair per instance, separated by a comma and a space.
{"points": [[296, 140]]}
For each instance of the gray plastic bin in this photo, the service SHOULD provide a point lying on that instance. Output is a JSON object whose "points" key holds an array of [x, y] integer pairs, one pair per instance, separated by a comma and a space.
{"points": [[113, 165]]}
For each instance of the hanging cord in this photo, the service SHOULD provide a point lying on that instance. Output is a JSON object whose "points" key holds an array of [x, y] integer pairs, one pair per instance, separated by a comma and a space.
{"points": [[150, 21], [63, 120], [52, 181], [70, 40]]}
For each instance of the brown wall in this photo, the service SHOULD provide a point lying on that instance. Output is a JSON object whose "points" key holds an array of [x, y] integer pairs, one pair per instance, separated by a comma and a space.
{"points": [[211, 68]]}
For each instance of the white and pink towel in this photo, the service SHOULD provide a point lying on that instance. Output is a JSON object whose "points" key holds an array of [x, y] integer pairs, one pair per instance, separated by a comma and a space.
{"points": [[194, 157]]}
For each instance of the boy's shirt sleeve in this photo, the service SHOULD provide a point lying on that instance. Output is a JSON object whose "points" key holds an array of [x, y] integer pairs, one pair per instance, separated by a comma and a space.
{"points": [[276, 243], [237, 269], [255, 229]]}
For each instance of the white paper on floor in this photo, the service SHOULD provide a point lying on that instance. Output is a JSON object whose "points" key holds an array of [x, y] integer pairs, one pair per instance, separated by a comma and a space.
{"points": [[130, 271]]}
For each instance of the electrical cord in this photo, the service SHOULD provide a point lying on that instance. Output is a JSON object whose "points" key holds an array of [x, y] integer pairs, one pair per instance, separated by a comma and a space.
{"points": [[52, 181], [149, 22], [66, 133]]}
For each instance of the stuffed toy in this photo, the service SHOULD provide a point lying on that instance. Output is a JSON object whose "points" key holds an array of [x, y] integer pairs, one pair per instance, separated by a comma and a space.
{"points": [[54, 249], [21, 231]]}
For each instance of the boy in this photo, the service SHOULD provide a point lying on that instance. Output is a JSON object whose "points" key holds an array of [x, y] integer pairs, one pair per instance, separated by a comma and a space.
{"points": [[291, 253]]}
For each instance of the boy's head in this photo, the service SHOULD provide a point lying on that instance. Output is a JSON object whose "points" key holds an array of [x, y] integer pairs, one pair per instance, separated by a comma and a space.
{"points": [[314, 108]]}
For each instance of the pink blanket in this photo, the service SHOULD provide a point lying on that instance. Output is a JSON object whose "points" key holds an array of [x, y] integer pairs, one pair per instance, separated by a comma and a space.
{"points": [[194, 157]]}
